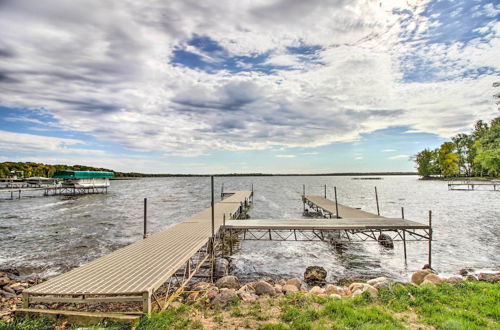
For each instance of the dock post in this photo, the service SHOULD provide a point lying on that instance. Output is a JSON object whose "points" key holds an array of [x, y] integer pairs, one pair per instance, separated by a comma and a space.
{"points": [[212, 207], [430, 239], [146, 303], [222, 191], [325, 191], [26, 300], [11, 194], [252, 193], [402, 212], [376, 198], [303, 196], [19, 197], [336, 203], [145, 234], [404, 245]]}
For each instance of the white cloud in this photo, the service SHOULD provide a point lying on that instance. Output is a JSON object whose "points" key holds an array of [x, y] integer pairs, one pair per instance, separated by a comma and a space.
{"points": [[358, 158], [389, 150], [102, 69], [399, 157], [286, 156]]}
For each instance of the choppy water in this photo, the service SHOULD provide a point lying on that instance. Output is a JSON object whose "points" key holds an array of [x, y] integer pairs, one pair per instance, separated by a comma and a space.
{"points": [[49, 235]]}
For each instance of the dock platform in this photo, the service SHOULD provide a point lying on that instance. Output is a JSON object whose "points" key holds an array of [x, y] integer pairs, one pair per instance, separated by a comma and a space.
{"points": [[136, 272], [331, 209]]}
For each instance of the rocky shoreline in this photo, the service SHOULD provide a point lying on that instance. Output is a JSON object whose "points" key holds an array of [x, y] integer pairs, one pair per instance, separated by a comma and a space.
{"points": [[228, 289]]}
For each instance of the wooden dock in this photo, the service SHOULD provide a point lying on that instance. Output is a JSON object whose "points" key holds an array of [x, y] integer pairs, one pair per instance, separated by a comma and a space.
{"points": [[16, 193], [136, 272], [331, 209], [469, 185]]}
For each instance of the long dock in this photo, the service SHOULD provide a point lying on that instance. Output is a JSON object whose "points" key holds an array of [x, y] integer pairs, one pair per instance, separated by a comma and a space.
{"points": [[15, 193], [331, 209], [136, 272]]}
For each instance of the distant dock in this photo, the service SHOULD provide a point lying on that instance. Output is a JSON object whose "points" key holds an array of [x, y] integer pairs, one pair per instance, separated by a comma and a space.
{"points": [[469, 185]]}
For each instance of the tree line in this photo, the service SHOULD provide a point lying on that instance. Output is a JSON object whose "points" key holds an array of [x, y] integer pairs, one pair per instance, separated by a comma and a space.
{"points": [[30, 169], [467, 155]]}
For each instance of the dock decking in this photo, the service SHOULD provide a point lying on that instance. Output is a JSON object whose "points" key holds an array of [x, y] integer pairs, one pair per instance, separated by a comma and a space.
{"points": [[135, 272], [328, 207]]}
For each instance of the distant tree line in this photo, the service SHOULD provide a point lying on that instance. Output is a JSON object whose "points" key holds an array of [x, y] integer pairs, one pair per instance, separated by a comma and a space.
{"points": [[468, 155], [30, 169]]}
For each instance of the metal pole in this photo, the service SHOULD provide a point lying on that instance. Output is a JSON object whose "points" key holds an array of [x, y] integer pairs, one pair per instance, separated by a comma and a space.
{"points": [[402, 212], [404, 245], [145, 234], [303, 196], [222, 191], [430, 239], [213, 214], [325, 190], [376, 198], [336, 203]]}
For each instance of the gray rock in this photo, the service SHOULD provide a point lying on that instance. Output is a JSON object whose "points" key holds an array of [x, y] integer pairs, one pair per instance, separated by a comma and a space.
{"points": [[489, 277], [386, 241], [379, 282], [297, 282], [418, 276], [433, 278], [225, 297], [222, 267], [315, 275], [289, 289], [264, 288], [247, 297], [331, 289], [228, 282]]}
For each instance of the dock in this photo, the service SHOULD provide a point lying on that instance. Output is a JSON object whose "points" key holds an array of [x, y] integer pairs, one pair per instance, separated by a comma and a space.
{"points": [[469, 185], [137, 272]]}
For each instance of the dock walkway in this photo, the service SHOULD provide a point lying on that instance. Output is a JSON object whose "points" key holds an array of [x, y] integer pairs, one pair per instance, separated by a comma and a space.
{"points": [[135, 272], [329, 208]]}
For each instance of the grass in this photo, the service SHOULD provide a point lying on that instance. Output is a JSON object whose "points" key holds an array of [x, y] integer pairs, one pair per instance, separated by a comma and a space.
{"points": [[466, 305]]}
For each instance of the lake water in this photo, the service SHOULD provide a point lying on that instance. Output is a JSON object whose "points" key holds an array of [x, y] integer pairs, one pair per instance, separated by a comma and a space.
{"points": [[45, 236]]}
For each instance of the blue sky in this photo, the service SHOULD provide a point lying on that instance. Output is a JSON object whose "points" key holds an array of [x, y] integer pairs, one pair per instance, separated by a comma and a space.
{"points": [[214, 87]]}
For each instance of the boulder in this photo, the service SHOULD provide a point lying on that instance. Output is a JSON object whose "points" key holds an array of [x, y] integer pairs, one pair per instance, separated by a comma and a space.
{"points": [[249, 287], [264, 288], [278, 288], [418, 276], [18, 289], [471, 278], [453, 279], [297, 282], [282, 282], [222, 267], [267, 279], [331, 289], [489, 277], [289, 289], [4, 280], [228, 282], [315, 275], [199, 286], [359, 288], [465, 271], [433, 278], [335, 296], [386, 241], [247, 297], [380, 282], [427, 282], [212, 293], [317, 290], [225, 297]]}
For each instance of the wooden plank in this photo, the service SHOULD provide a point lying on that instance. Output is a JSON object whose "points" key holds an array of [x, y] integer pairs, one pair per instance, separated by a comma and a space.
{"points": [[344, 211], [49, 299], [78, 317]]}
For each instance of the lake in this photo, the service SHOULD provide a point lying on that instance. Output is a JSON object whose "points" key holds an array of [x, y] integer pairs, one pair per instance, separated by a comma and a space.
{"points": [[45, 236]]}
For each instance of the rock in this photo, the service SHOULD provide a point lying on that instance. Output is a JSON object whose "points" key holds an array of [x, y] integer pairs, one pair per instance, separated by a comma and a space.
{"points": [[9, 289], [453, 279], [282, 282], [4, 280], [315, 275], [247, 297], [289, 289], [359, 288], [267, 279], [193, 296], [335, 296], [380, 282], [331, 289], [316, 290], [228, 282], [465, 271], [471, 278], [212, 293], [433, 278], [264, 288], [199, 286], [10, 271], [386, 241], [427, 282], [489, 277], [225, 297], [18, 289], [249, 287], [297, 282], [7, 294], [418, 276], [278, 288]]}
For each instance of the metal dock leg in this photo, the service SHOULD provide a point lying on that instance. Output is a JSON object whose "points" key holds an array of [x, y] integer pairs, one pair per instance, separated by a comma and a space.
{"points": [[146, 303]]}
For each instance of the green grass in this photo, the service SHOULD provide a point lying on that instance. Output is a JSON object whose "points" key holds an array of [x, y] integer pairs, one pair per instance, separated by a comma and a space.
{"points": [[466, 305]]}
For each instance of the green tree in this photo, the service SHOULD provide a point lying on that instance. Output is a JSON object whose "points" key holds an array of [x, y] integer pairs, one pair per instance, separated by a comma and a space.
{"points": [[448, 160], [426, 162], [488, 148], [464, 146]]}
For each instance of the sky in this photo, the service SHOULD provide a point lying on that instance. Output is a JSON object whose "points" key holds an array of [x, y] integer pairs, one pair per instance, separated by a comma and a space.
{"points": [[270, 86]]}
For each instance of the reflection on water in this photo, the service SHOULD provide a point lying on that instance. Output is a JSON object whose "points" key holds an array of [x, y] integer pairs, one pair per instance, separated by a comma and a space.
{"points": [[49, 235]]}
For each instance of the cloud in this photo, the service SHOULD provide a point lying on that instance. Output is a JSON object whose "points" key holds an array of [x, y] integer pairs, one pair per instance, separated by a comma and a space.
{"points": [[389, 150], [358, 158], [185, 78], [286, 156], [399, 157]]}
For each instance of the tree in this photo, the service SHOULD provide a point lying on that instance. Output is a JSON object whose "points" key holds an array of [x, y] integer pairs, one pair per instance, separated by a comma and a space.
{"points": [[464, 145], [426, 163], [448, 160], [488, 148]]}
